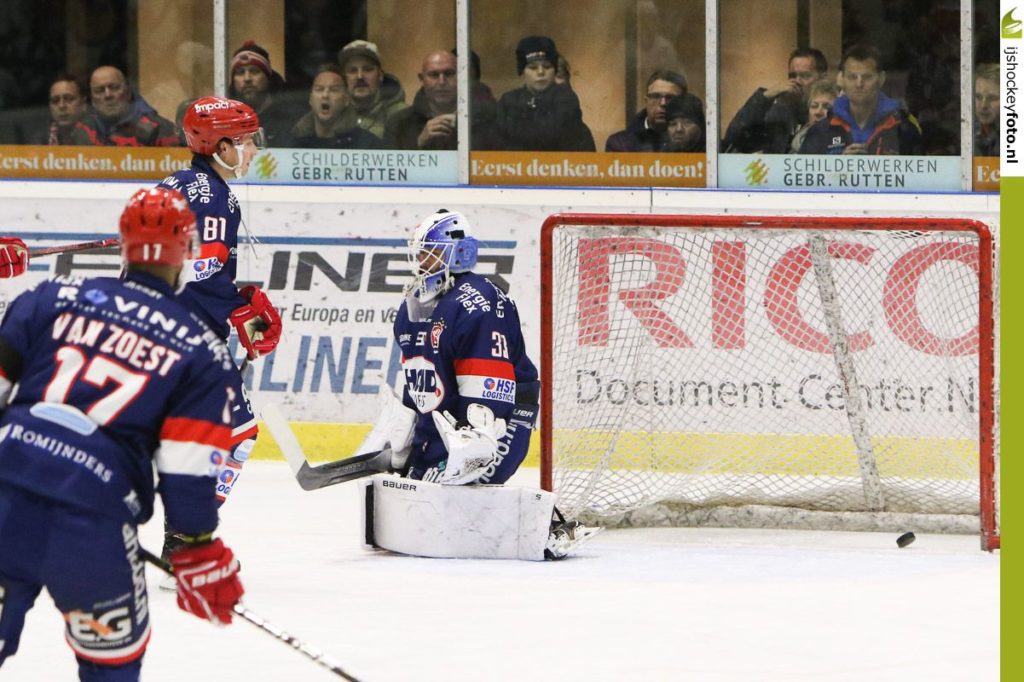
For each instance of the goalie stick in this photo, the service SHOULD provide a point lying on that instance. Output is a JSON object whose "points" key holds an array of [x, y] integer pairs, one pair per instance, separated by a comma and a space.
{"points": [[331, 473], [81, 246], [306, 650]]}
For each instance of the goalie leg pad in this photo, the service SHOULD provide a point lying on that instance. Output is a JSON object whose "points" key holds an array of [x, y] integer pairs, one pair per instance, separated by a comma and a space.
{"points": [[456, 522]]}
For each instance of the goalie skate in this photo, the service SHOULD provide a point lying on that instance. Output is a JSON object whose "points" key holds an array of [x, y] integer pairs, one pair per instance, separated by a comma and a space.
{"points": [[566, 536]]}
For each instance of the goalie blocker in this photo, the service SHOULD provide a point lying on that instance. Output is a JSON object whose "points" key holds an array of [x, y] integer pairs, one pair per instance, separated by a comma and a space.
{"points": [[426, 519]]}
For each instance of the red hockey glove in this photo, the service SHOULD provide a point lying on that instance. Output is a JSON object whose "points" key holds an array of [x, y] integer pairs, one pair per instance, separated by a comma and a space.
{"points": [[208, 584], [13, 257], [258, 323]]}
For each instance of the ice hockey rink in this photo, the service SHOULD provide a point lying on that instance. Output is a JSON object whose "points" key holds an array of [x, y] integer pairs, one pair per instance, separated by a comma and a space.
{"points": [[656, 604]]}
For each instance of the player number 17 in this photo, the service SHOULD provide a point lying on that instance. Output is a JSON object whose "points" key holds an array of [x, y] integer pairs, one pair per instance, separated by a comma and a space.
{"points": [[101, 372]]}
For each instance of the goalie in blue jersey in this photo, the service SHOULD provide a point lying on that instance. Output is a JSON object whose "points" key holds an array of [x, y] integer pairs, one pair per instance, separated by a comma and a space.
{"points": [[467, 407], [100, 380], [467, 375]]}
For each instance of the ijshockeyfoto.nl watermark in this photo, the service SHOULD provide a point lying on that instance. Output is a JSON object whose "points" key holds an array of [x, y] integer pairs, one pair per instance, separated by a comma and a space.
{"points": [[1011, 39]]}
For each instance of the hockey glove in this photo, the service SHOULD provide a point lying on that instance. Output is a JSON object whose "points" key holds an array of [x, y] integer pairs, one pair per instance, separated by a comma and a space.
{"points": [[258, 323], [472, 445], [13, 257], [394, 429], [208, 584]]}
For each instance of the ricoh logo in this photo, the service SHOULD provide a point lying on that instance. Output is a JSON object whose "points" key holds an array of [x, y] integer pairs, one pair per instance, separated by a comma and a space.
{"points": [[212, 106], [721, 281]]}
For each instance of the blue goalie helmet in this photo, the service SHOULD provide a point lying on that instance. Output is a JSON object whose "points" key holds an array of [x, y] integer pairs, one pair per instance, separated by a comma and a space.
{"points": [[441, 246]]}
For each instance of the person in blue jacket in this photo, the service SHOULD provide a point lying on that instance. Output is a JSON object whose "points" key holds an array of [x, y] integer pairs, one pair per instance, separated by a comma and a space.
{"points": [[864, 120]]}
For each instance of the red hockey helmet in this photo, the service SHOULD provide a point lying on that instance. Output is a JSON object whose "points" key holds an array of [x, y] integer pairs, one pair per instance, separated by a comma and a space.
{"points": [[158, 227], [209, 120]]}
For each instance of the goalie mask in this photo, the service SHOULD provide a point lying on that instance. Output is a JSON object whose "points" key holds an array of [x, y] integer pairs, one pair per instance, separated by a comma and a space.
{"points": [[441, 246]]}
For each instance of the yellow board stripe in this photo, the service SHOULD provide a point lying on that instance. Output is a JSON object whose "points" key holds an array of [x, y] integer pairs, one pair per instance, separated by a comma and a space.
{"points": [[326, 442], [693, 453], [778, 454]]}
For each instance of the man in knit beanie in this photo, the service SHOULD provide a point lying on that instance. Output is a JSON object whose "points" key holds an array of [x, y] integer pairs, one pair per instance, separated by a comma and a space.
{"points": [[685, 118], [255, 82], [541, 115]]}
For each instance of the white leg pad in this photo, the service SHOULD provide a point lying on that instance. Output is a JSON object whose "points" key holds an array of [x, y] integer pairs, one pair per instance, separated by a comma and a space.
{"points": [[455, 522]]}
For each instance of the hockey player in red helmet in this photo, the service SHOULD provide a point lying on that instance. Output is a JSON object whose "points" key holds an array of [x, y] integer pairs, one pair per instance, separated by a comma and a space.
{"points": [[210, 120], [225, 136], [83, 373]]}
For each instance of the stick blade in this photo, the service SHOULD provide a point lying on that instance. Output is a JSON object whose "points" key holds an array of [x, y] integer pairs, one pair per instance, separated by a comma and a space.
{"points": [[331, 473]]}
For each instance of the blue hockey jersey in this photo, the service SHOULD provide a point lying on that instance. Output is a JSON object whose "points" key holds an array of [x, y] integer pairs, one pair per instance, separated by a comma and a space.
{"points": [[469, 350], [211, 291], [112, 375]]}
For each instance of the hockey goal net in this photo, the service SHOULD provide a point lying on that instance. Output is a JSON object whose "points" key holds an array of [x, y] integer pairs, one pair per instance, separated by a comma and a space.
{"points": [[791, 372]]}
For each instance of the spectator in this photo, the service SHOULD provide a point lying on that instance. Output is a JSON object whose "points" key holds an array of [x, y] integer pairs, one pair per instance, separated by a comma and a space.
{"points": [[430, 123], [321, 126], [541, 115], [819, 105], [376, 95], [864, 120], [647, 131], [685, 118], [986, 110], [121, 117], [67, 107], [255, 83], [771, 116]]}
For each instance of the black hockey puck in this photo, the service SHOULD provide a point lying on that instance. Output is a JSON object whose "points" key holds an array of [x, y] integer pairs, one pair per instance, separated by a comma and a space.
{"points": [[905, 539]]}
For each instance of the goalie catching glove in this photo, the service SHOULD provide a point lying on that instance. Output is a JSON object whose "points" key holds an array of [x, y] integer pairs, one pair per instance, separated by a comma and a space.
{"points": [[472, 445], [207, 577], [13, 257], [258, 323]]}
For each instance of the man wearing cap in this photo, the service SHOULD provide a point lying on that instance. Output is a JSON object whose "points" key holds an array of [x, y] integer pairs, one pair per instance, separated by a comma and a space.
{"points": [[684, 117], [120, 117], [254, 82], [376, 96], [646, 131], [542, 115]]}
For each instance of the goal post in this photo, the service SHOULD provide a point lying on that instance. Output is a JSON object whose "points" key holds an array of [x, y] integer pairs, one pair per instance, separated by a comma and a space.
{"points": [[811, 372]]}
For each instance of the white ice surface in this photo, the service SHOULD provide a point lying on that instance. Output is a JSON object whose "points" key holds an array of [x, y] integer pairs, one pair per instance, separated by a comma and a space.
{"points": [[658, 604]]}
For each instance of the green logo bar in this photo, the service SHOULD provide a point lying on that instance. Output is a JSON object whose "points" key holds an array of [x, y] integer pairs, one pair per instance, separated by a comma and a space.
{"points": [[1011, 26], [757, 172], [266, 166]]}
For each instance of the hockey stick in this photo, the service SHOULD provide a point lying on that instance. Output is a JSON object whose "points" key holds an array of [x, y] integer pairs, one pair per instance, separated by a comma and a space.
{"points": [[306, 650], [81, 246], [312, 478]]}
